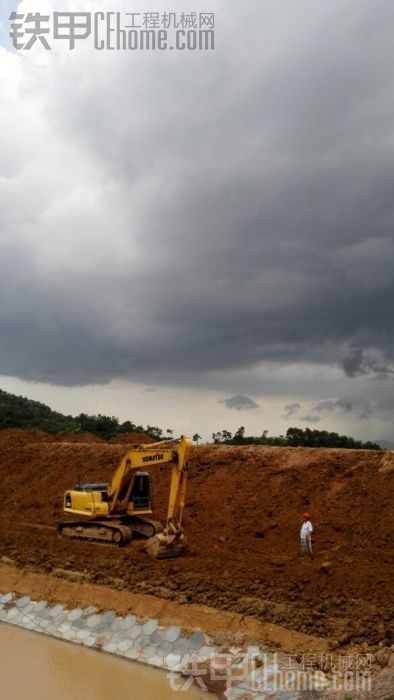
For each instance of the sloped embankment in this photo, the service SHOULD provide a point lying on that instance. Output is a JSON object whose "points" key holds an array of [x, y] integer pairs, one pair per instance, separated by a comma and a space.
{"points": [[242, 521]]}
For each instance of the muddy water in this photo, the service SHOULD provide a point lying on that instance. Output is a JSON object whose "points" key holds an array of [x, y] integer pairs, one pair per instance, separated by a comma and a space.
{"points": [[34, 667]]}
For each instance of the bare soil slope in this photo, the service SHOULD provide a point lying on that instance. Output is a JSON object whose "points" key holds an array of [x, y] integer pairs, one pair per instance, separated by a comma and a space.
{"points": [[242, 521]]}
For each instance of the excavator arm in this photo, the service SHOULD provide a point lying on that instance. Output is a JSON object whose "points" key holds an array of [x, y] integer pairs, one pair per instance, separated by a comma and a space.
{"points": [[169, 542]]}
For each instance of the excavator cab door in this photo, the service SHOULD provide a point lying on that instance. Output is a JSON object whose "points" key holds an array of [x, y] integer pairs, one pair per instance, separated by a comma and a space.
{"points": [[141, 493]]}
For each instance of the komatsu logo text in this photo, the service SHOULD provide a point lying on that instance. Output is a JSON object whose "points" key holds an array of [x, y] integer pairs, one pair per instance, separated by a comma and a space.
{"points": [[153, 458]]}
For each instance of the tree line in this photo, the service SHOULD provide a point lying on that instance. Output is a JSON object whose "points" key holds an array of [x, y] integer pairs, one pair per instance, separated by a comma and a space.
{"points": [[295, 437]]}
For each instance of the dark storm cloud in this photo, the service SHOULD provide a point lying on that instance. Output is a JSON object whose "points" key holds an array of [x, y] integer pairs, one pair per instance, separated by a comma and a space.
{"points": [[240, 403], [311, 419], [384, 408], [356, 363], [194, 213], [359, 407], [330, 405], [291, 409]]}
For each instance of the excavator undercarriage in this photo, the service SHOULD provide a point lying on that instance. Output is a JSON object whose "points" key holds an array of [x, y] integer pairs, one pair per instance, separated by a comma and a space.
{"points": [[115, 531]]}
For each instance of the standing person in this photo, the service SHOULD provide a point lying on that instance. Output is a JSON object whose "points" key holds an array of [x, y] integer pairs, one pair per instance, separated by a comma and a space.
{"points": [[306, 535]]}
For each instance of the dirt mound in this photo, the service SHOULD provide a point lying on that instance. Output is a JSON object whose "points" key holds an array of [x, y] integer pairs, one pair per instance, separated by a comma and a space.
{"points": [[242, 520], [15, 437], [75, 437]]}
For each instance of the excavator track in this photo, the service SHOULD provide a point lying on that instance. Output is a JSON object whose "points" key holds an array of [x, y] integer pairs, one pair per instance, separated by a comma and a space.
{"points": [[97, 531], [145, 526]]}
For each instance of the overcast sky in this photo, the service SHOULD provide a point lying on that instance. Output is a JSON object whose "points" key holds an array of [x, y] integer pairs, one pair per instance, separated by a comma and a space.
{"points": [[204, 239]]}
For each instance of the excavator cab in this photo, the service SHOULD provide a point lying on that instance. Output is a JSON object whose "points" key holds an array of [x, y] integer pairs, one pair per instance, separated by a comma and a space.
{"points": [[140, 495]]}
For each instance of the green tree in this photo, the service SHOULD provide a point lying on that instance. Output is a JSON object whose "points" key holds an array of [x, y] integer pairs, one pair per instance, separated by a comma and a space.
{"points": [[196, 438], [129, 427], [239, 436], [298, 437], [226, 436], [155, 432], [102, 426]]}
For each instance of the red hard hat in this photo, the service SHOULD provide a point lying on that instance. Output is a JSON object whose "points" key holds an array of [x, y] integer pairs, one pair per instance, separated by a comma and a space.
{"points": [[306, 516]]}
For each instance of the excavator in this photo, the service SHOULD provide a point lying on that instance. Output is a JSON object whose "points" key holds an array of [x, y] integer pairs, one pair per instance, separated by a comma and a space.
{"points": [[113, 512]]}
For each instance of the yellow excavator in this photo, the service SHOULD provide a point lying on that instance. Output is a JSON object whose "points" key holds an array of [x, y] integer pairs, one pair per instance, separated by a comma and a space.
{"points": [[114, 512]]}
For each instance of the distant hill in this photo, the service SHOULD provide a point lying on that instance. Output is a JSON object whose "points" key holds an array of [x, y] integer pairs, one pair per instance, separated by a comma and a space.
{"points": [[23, 413], [19, 412]]}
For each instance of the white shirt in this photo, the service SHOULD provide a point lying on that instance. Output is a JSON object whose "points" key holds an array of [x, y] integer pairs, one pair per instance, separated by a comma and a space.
{"points": [[306, 530]]}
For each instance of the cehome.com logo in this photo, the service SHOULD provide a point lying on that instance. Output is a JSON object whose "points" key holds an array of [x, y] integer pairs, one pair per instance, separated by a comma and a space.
{"points": [[115, 31]]}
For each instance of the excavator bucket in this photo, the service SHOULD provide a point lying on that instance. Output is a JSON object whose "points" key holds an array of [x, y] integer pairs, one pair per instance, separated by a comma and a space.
{"points": [[162, 546]]}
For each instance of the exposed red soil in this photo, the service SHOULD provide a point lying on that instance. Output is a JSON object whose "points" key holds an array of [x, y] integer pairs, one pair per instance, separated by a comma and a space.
{"points": [[242, 522]]}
